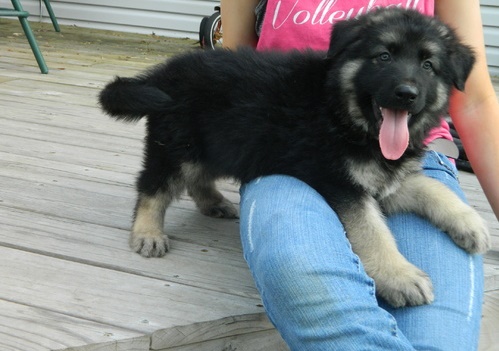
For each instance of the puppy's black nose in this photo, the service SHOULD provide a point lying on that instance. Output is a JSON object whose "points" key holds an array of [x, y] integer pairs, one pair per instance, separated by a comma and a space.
{"points": [[406, 93]]}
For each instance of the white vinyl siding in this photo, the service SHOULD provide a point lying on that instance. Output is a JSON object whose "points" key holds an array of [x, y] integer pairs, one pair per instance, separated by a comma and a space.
{"points": [[490, 16], [181, 18], [174, 18]]}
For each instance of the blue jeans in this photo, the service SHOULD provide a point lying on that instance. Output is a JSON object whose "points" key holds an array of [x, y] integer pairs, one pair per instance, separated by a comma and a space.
{"points": [[316, 291]]}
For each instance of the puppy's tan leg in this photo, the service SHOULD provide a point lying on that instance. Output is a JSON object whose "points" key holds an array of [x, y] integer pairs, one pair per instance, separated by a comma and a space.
{"points": [[201, 187], [397, 281], [433, 200], [147, 237]]}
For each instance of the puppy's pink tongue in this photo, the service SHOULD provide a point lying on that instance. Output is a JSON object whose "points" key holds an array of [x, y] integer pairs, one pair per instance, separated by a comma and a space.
{"points": [[394, 133]]}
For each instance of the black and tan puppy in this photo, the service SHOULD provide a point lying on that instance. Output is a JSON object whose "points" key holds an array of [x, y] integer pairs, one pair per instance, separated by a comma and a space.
{"points": [[350, 123]]}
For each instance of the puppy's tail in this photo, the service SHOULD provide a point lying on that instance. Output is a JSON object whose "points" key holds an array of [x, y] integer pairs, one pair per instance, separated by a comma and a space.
{"points": [[130, 99]]}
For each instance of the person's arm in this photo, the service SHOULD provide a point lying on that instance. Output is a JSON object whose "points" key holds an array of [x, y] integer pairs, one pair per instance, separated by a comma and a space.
{"points": [[238, 22], [475, 112]]}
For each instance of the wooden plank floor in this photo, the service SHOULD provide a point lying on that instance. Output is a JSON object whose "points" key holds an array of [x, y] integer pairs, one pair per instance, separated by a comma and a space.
{"points": [[68, 280]]}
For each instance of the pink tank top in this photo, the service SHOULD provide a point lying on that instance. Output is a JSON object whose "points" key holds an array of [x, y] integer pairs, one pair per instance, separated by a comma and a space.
{"points": [[307, 24]]}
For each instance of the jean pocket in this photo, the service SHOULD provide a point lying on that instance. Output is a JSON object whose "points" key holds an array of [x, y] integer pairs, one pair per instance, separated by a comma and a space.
{"points": [[434, 163]]}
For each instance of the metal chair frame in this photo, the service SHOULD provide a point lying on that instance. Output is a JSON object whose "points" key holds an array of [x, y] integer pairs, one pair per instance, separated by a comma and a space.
{"points": [[22, 15]]}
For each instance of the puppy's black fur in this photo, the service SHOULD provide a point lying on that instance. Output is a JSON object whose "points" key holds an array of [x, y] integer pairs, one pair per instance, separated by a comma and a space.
{"points": [[315, 116]]}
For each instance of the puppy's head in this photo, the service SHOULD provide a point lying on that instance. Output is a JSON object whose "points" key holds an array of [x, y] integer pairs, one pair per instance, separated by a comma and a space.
{"points": [[396, 69]]}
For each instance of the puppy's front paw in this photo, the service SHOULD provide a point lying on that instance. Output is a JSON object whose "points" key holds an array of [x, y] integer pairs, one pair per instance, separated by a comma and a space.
{"points": [[471, 233], [409, 286], [149, 244]]}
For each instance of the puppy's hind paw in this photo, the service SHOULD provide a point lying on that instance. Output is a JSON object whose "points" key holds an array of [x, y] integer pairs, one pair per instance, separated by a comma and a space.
{"points": [[221, 209], [149, 245]]}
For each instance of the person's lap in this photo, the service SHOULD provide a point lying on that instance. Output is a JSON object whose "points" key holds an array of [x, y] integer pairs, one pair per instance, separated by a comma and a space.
{"points": [[316, 292]]}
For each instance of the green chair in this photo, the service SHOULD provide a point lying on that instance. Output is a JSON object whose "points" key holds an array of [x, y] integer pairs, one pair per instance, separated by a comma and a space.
{"points": [[18, 11]]}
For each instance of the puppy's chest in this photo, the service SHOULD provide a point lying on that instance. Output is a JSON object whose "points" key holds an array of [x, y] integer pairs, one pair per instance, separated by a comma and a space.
{"points": [[378, 181]]}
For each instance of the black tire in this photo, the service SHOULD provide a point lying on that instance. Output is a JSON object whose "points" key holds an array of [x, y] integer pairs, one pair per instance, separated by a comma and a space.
{"points": [[212, 33], [202, 25]]}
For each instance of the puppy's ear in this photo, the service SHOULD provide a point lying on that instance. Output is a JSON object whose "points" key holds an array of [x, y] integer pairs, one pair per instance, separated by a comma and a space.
{"points": [[462, 59], [345, 34]]}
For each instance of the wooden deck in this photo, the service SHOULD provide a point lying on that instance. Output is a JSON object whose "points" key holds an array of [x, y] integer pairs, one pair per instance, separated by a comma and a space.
{"points": [[68, 280]]}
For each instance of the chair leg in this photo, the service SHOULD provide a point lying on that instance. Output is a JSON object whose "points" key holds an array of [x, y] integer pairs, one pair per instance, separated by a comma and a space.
{"points": [[52, 15], [31, 37], [34, 45]]}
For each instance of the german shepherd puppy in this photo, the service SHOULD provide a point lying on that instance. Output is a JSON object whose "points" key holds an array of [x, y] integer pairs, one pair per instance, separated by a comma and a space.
{"points": [[350, 123]]}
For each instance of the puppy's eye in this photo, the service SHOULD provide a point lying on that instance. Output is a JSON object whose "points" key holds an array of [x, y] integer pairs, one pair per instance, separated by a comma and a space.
{"points": [[385, 57], [427, 65]]}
